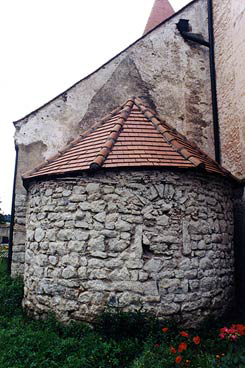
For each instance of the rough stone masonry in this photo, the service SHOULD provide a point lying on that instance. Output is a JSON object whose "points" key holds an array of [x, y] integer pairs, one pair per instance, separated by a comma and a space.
{"points": [[152, 240]]}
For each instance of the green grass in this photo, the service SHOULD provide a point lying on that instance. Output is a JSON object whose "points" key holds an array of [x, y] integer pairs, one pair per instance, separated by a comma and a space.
{"points": [[118, 340]]}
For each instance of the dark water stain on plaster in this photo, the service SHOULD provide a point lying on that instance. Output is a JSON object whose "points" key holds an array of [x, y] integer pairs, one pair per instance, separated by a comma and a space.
{"points": [[30, 155], [124, 82]]}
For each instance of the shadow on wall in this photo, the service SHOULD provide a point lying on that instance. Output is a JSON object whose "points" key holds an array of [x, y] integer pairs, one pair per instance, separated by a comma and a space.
{"points": [[239, 242]]}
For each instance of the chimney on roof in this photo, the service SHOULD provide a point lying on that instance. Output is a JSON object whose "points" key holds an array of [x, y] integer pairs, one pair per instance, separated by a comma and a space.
{"points": [[160, 11]]}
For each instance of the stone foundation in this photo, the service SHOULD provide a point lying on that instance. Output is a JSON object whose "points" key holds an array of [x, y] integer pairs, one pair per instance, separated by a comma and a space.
{"points": [[158, 241]]}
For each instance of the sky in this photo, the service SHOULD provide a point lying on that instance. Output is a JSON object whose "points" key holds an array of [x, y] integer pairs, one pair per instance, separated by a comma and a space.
{"points": [[47, 46]]}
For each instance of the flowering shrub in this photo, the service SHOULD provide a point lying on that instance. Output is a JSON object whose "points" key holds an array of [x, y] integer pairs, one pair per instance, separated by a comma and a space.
{"points": [[188, 349], [196, 340], [232, 333]]}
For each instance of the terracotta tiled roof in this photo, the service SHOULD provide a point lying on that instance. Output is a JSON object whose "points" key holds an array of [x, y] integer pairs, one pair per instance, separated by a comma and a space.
{"points": [[131, 136], [161, 11]]}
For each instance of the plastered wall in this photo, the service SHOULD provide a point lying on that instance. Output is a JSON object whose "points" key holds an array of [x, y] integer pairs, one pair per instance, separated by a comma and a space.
{"points": [[171, 74]]}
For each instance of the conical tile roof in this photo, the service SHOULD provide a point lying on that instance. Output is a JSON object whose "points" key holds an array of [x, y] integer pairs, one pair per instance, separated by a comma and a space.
{"points": [[160, 11], [131, 136]]}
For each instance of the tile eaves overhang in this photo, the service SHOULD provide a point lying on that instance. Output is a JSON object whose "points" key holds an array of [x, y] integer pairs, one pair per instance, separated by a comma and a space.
{"points": [[131, 136]]}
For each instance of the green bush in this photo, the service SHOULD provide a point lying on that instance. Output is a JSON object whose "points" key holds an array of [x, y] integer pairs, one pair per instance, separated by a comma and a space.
{"points": [[11, 293], [119, 325]]}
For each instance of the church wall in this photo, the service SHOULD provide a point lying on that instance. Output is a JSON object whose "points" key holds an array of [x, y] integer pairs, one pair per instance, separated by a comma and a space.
{"points": [[170, 74], [156, 241], [229, 32]]}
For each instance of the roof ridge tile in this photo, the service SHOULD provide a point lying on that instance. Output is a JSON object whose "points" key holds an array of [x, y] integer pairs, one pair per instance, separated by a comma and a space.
{"points": [[167, 134], [108, 145]]}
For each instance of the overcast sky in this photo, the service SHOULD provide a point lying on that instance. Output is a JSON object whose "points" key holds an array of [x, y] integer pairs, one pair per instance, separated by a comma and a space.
{"points": [[48, 45]]}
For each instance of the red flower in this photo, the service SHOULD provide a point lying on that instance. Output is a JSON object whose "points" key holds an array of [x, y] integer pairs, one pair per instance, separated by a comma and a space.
{"points": [[196, 340], [232, 333], [224, 330], [173, 350], [165, 329], [182, 346], [184, 334], [178, 359], [157, 345], [240, 329]]}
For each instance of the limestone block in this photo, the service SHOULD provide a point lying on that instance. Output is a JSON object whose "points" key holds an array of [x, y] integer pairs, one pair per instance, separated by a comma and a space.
{"points": [[92, 187], [121, 274], [83, 225], [69, 272], [84, 206], [41, 259], [48, 192], [98, 274], [51, 235], [97, 206], [77, 246], [191, 274], [78, 198], [163, 220], [114, 263], [71, 259], [128, 299], [98, 254], [125, 236], [191, 306], [53, 260], [79, 215], [85, 297], [108, 189], [97, 244], [96, 263], [79, 235], [153, 265], [78, 189], [205, 263], [39, 234], [168, 309], [169, 283], [100, 217], [82, 273], [207, 283], [99, 285], [134, 263], [66, 234], [116, 245], [186, 239], [137, 245], [29, 256], [66, 192], [122, 225], [30, 235]]}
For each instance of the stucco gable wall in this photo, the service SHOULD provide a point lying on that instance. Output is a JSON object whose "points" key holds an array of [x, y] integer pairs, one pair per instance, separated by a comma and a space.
{"points": [[169, 73]]}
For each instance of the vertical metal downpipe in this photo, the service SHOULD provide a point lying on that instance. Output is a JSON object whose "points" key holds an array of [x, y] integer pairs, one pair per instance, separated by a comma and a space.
{"points": [[213, 83], [11, 230]]}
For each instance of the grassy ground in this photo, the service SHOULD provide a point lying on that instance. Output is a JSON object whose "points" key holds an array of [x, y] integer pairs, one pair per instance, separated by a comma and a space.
{"points": [[131, 340]]}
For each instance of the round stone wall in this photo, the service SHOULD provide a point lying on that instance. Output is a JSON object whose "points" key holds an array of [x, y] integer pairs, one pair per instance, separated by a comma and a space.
{"points": [[158, 241]]}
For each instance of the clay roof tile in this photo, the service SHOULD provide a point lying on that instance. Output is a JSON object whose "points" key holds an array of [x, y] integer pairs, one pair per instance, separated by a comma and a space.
{"points": [[132, 135]]}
